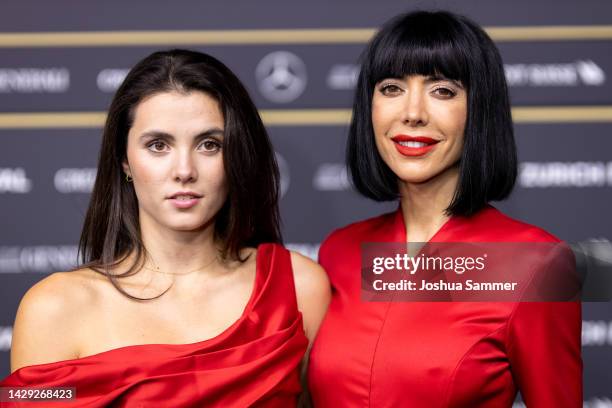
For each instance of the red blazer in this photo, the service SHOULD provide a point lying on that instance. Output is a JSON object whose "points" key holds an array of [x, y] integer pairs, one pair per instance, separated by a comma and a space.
{"points": [[441, 354]]}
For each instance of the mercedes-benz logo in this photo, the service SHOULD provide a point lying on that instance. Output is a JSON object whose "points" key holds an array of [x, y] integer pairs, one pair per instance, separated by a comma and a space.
{"points": [[281, 76]]}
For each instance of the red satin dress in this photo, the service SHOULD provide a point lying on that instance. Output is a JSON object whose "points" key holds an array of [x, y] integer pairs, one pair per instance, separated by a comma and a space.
{"points": [[255, 362], [441, 354]]}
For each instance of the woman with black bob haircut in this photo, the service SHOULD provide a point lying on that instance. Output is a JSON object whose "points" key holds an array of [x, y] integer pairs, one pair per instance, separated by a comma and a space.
{"points": [[458, 50], [431, 128], [186, 296]]}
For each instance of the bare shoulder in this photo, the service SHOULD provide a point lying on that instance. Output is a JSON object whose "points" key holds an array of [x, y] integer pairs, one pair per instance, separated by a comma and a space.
{"points": [[309, 276], [59, 291], [312, 290], [47, 312]]}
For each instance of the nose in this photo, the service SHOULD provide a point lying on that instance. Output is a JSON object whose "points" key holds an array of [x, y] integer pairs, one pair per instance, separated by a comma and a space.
{"points": [[185, 170], [415, 109]]}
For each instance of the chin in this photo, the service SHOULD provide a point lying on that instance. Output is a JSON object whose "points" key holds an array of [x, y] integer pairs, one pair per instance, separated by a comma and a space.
{"points": [[184, 227], [191, 224], [415, 176], [424, 174]]}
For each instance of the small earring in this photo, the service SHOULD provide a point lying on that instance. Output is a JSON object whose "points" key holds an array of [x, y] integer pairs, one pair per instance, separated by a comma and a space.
{"points": [[128, 178]]}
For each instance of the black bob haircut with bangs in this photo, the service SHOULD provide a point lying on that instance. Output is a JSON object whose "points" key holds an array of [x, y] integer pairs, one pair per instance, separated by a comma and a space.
{"points": [[439, 44]]}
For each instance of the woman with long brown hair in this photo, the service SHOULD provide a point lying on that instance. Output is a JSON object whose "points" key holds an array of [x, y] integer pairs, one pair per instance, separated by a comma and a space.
{"points": [[186, 296]]}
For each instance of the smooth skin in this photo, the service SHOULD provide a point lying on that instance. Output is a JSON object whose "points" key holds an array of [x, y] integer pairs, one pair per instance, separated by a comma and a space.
{"points": [[434, 107], [174, 145]]}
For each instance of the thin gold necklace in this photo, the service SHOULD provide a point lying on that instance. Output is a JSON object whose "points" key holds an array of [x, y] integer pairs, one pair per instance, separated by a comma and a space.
{"points": [[156, 269]]}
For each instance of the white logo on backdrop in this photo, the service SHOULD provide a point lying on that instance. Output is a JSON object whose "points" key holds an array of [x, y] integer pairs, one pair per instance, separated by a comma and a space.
{"points": [[34, 80], [75, 180], [590, 73], [570, 74], [6, 337], [331, 177], [281, 76], [595, 402], [44, 259], [285, 176], [14, 181], [109, 80], [596, 333], [582, 72], [598, 402], [343, 77], [565, 174]]}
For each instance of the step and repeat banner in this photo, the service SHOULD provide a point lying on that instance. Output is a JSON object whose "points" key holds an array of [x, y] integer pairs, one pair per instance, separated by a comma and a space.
{"points": [[60, 63]]}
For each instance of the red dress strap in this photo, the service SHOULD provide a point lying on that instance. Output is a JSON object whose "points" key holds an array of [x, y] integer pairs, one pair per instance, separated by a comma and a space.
{"points": [[254, 362]]}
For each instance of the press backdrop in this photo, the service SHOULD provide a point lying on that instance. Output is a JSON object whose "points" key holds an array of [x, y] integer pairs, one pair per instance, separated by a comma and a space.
{"points": [[61, 61]]}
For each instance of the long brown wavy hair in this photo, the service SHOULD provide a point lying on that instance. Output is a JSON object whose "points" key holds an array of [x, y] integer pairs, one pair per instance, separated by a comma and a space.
{"points": [[250, 215]]}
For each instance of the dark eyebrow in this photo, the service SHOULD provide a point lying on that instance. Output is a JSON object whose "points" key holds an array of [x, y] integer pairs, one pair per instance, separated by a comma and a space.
{"points": [[158, 134], [437, 78]]}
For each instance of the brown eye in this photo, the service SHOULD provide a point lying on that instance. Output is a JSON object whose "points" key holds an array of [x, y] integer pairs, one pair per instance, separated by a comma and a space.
{"points": [[390, 89], [210, 145], [444, 92], [157, 146]]}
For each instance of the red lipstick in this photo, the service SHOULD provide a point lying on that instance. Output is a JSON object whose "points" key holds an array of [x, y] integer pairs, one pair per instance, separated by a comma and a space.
{"points": [[413, 146]]}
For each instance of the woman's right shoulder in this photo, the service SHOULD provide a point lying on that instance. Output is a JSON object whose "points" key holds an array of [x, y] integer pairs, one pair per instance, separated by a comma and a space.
{"points": [[62, 291], [50, 315]]}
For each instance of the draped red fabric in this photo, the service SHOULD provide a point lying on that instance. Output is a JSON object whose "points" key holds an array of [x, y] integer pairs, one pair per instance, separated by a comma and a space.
{"points": [[255, 362], [441, 354]]}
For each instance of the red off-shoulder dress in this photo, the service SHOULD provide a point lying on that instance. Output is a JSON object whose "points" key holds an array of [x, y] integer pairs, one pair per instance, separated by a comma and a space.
{"points": [[255, 362], [441, 354]]}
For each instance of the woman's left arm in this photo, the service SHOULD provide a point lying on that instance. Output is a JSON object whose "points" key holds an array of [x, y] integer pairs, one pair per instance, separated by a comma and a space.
{"points": [[312, 291], [544, 348]]}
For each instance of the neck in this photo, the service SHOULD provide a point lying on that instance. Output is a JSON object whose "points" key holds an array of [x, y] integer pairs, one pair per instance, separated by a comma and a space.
{"points": [[423, 204], [178, 252]]}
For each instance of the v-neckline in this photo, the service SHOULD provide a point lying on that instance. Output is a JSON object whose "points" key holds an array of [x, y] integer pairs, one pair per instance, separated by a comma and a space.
{"points": [[400, 231]]}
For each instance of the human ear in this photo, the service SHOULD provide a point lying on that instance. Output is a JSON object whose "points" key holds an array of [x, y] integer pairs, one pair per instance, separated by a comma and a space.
{"points": [[126, 168]]}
